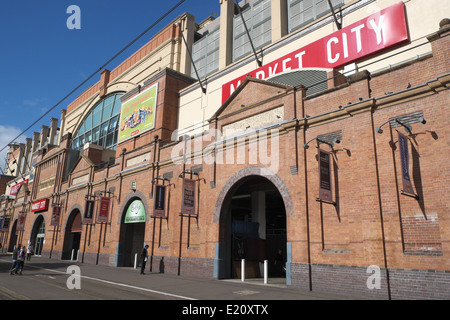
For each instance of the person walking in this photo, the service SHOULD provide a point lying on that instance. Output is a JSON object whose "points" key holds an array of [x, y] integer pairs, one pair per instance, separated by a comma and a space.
{"points": [[144, 257], [15, 255], [29, 251], [20, 261]]}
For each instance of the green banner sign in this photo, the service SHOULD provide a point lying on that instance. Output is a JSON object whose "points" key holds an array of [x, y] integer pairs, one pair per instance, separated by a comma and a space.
{"points": [[135, 212], [138, 114]]}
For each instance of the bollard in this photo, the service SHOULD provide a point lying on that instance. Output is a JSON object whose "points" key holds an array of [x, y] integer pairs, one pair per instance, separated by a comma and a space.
{"points": [[243, 270], [73, 250], [266, 271], [135, 261]]}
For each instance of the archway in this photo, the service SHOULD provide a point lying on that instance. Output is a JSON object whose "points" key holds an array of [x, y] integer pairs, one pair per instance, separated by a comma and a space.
{"points": [[252, 211], [132, 231], [38, 235], [13, 237], [72, 236]]}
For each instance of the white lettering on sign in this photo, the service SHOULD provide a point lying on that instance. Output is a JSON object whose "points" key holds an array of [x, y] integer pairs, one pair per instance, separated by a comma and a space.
{"points": [[348, 45]]}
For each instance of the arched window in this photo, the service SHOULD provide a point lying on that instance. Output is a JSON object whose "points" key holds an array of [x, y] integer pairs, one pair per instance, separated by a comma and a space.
{"points": [[101, 125]]}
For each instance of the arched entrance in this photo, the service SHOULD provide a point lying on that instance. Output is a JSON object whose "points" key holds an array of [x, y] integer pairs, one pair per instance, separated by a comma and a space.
{"points": [[72, 236], [38, 235], [13, 237], [252, 211], [132, 231]]}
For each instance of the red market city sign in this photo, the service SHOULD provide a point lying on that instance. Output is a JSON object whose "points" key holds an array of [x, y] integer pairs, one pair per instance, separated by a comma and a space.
{"points": [[362, 39], [39, 206], [15, 188]]}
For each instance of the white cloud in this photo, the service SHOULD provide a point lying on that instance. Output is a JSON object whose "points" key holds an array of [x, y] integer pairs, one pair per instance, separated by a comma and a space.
{"points": [[7, 134]]}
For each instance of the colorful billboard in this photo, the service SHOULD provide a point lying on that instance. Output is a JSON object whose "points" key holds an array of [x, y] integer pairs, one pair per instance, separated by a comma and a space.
{"points": [[138, 115]]}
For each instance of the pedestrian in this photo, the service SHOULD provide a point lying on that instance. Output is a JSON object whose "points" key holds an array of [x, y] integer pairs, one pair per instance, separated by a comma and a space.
{"points": [[29, 251], [144, 256], [20, 260], [279, 263], [15, 254]]}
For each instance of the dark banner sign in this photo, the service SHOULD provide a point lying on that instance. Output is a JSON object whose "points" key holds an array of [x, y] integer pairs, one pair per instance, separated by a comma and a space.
{"points": [[404, 158], [56, 215], [159, 209], [188, 204], [4, 224], [103, 212], [88, 217], [325, 192]]}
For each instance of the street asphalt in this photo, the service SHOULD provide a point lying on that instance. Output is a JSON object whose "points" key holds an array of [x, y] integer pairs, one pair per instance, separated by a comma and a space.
{"points": [[50, 279]]}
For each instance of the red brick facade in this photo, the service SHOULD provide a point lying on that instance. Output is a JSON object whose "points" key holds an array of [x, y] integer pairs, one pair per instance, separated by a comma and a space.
{"points": [[329, 246]]}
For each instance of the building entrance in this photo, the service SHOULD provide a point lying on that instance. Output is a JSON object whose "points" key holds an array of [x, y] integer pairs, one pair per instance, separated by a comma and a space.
{"points": [[38, 236], [256, 229], [132, 233], [72, 238]]}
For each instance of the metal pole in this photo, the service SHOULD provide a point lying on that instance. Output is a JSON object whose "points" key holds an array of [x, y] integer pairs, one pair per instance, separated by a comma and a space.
{"points": [[243, 270]]}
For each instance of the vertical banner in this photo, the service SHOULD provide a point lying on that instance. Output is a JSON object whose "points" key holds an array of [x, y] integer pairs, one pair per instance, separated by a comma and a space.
{"points": [[325, 192], [88, 217], [21, 222], [56, 215], [103, 212], [188, 199], [159, 209], [404, 158]]}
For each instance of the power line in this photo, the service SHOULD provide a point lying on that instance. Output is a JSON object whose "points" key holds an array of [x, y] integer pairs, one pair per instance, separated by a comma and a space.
{"points": [[99, 69]]}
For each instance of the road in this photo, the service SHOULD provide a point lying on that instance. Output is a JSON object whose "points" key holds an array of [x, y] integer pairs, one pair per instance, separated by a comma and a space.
{"points": [[45, 279]]}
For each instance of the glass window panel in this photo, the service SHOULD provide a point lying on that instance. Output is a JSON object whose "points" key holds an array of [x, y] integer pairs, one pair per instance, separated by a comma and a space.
{"points": [[88, 137], [104, 129], [109, 140], [96, 133], [113, 124], [117, 106], [88, 122], [107, 112], [81, 141], [99, 120], [75, 144]]}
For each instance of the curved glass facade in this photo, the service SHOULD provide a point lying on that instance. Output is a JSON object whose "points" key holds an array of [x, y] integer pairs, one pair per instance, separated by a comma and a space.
{"points": [[101, 125]]}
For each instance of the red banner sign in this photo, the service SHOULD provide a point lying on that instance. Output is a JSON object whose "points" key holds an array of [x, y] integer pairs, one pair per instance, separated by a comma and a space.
{"points": [[40, 206], [374, 34], [103, 212], [15, 188]]}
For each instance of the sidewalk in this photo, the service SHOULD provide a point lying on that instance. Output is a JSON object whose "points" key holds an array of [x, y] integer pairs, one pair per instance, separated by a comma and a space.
{"points": [[181, 287]]}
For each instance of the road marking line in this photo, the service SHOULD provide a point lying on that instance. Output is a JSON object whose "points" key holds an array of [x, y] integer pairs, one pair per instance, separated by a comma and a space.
{"points": [[118, 284]]}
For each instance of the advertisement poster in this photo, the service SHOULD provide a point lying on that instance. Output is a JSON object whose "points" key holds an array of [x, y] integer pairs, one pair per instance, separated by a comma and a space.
{"points": [[21, 222], [138, 114], [103, 211], [135, 212], [160, 201], [188, 205], [325, 192]]}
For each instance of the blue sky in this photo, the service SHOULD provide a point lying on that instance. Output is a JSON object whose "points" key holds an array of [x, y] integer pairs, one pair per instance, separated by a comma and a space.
{"points": [[41, 60]]}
